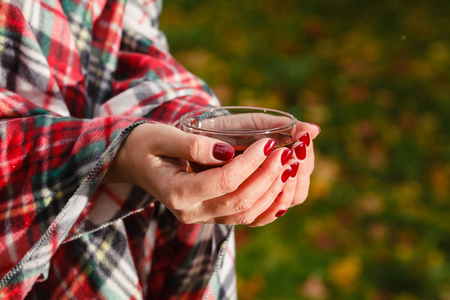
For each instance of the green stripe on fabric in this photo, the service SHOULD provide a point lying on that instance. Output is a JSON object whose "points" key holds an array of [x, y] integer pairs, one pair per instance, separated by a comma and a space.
{"points": [[48, 17], [152, 75], [86, 263], [15, 36], [79, 10]]}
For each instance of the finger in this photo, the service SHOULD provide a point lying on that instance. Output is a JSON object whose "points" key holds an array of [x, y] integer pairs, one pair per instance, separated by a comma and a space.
{"points": [[289, 188], [311, 128], [213, 183], [172, 142], [301, 190], [305, 156], [306, 167], [260, 206], [273, 171], [283, 201], [296, 189], [275, 211]]}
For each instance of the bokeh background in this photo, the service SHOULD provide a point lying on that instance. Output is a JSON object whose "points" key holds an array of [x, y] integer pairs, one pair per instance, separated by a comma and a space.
{"points": [[375, 75]]}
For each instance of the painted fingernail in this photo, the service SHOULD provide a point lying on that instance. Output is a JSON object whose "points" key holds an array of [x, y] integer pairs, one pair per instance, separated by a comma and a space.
{"points": [[286, 174], [269, 147], [223, 152], [300, 151], [279, 195], [306, 138], [318, 127], [280, 213], [285, 156], [294, 168]]}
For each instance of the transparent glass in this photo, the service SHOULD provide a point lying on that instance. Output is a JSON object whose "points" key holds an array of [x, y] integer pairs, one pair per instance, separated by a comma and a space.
{"points": [[241, 126]]}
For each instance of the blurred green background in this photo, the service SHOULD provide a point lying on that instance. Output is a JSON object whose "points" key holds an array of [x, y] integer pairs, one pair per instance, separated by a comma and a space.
{"points": [[375, 75]]}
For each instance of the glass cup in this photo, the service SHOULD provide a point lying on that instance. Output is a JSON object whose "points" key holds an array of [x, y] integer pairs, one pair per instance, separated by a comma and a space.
{"points": [[240, 126]]}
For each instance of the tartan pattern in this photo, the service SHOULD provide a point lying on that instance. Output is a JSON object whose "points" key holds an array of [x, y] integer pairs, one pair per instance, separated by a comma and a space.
{"points": [[76, 76]]}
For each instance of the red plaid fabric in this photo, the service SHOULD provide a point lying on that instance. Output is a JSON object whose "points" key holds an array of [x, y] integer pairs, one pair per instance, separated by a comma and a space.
{"points": [[76, 76]]}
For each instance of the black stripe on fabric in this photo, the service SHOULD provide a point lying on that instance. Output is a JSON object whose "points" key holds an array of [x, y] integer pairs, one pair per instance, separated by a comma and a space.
{"points": [[84, 54], [188, 278], [11, 60], [117, 249], [137, 42], [11, 63], [115, 254]]}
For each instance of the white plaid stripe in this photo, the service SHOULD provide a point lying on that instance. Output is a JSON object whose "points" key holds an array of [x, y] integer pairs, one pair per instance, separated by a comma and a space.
{"points": [[122, 281], [145, 29], [139, 93]]}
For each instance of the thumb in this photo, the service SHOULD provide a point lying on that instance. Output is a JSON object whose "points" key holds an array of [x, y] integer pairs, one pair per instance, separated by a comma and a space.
{"points": [[172, 142]]}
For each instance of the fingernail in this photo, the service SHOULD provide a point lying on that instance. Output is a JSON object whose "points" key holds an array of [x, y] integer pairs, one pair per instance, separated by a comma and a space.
{"points": [[318, 127], [269, 147], [279, 195], [294, 168], [286, 174], [280, 213], [300, 151], [285, 156], [306, 138], [223, 152]]}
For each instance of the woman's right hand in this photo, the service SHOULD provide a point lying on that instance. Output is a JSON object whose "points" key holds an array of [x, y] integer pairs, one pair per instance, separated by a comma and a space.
{"points": [[238, 191]]}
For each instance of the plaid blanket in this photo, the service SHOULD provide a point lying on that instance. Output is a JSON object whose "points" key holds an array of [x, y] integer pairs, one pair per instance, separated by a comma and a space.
{"points": [[76, 76]]}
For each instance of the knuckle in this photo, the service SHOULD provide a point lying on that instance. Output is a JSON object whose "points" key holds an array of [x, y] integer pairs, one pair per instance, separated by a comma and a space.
{"points": [[228, 183], [193, 147], [173, 203], [186, 217], [255, 224], [245, 219], [242, 203], [270, 174], [228, 204], [251, 162]]}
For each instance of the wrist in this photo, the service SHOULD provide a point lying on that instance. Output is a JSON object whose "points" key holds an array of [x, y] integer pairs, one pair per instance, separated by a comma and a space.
{"points": [[121, 168]]}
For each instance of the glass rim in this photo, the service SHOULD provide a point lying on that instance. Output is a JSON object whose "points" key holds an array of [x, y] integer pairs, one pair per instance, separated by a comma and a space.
{"points": [[251, 109]]}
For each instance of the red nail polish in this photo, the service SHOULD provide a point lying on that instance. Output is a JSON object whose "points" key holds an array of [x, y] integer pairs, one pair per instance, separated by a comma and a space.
{"points": [[280, 213], [279, 195], [286, 174], [285, 156], [294, 168], [223, 152], [306, 138], [269, 147], [300, 151]]}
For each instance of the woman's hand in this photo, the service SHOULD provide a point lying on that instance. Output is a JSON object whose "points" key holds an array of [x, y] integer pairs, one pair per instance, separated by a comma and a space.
{"points": [[295, 190], [241, 191]]}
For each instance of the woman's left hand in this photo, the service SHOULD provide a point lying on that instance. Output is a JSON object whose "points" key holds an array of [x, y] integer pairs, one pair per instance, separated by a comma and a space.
{"points": [[295, 190]]}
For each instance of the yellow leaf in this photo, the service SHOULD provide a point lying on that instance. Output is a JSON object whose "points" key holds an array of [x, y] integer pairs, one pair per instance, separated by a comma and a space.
{"points": [[344, 273]]}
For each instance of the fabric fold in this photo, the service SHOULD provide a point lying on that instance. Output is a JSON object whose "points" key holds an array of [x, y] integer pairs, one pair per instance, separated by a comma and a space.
{"points": [[76, 77]]}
